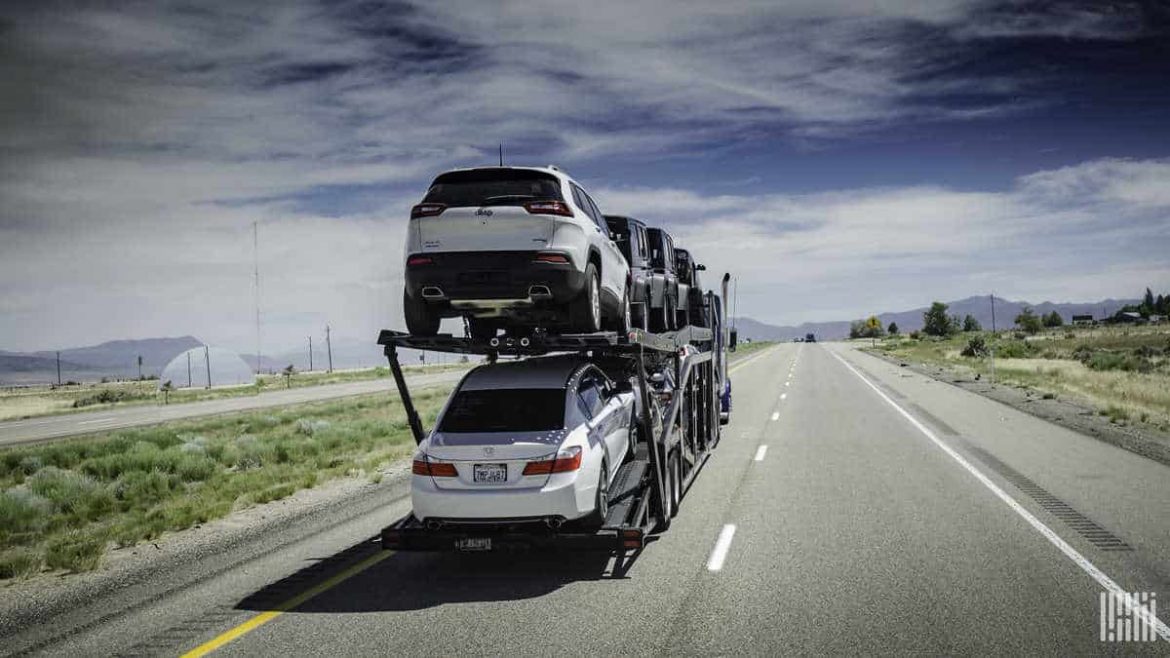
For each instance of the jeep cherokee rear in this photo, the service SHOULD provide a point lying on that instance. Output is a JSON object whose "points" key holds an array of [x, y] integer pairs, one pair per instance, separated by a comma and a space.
{"points": [[509, 247]]}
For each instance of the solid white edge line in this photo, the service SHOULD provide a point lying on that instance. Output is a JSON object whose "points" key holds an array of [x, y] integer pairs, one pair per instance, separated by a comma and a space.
{"points": [[775, 415], [1080, 560], [722, 545], [760, 452]]}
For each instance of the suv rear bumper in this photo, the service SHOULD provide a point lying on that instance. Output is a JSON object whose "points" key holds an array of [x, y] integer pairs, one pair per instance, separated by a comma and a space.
{"points": [[492, 279]]}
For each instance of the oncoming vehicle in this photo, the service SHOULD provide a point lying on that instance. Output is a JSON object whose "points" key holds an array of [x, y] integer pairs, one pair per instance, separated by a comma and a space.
{"points": [[512, 248], [537, 440], [810, 338]]}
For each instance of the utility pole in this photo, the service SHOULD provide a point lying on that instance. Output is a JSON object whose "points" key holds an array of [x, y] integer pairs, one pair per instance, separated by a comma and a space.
{"points": [[207, 360], [329, 348], [188, 368], [310, 354], [501, 155], [58, 368], [991, 347], [139, 367], [256, 278]]}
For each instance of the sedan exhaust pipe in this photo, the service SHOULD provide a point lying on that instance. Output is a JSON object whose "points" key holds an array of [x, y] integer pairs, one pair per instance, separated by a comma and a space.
{"points": [[554, 522], [432, 524]]}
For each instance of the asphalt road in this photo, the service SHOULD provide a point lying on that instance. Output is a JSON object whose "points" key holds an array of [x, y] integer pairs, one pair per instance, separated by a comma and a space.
{"points": [[852, 508], [46, 428]]}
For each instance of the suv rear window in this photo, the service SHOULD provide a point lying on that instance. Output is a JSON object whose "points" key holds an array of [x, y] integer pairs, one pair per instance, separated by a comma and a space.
{"points": [[505, 410], [493, 187]]}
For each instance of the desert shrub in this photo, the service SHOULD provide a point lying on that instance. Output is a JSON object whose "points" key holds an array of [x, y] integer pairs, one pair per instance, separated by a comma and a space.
{"points": [[104, 396], [72, 493], [1082, 353], [142, 488], [1145, 351], [976, 347], [74, 551], [915, 335], [22, 512], [19, 562]]}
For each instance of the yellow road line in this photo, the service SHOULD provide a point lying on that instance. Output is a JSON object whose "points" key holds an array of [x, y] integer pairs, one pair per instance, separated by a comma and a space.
{"points": [[268, 615]]}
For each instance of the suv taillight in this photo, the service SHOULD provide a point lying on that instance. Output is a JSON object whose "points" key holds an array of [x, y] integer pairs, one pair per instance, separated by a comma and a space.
{"points": [[415, 261], [549, 208], [427, 210], [566, 460]]}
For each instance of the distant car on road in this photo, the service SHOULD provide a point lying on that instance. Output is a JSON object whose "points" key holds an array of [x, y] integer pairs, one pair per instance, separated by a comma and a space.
{"points": [[512, 247], [536, 440], [810, 338]]}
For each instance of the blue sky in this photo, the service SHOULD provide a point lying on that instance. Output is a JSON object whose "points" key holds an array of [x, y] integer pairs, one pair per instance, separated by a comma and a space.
{"points": [[841, 158]]}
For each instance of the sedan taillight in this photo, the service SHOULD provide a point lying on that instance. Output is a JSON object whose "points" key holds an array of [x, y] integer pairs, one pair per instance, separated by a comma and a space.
{"points": [[566, 460], [433, 469], [549, 208]]}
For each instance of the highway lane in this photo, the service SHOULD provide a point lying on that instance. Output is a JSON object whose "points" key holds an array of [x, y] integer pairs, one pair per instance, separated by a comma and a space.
{"points": [[826, 522], [45, 428]]}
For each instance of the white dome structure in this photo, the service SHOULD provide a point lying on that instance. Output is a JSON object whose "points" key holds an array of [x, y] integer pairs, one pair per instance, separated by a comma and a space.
{"points": [[189, 369]]}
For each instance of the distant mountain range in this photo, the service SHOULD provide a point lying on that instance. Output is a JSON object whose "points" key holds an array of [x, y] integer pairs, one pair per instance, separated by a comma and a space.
{"points": [[114, 359], [119, 359], [980, 307]]}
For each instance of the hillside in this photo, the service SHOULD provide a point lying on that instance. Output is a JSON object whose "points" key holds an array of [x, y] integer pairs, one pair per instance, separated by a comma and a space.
{"points": [[980, 307]]}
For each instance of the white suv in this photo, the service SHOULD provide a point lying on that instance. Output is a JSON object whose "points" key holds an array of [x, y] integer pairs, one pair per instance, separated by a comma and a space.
{"points": [[509, 248]]}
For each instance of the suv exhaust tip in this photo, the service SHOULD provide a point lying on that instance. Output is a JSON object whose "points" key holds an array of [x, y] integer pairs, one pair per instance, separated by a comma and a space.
{"points": [[433, 292], [432, 524], [554, 522], [539, 292]]}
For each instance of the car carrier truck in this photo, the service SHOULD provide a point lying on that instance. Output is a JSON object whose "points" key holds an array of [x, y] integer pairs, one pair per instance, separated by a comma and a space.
{"points": [[678, 433]]}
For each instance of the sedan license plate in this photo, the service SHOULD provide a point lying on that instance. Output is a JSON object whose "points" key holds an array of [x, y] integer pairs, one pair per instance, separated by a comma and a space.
{"points": [[474, 544], [490, 473]]}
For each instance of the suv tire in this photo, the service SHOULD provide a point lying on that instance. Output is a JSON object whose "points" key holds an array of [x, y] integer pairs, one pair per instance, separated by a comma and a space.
{"points": [[622, 318], [585, 310], [421, 320]]}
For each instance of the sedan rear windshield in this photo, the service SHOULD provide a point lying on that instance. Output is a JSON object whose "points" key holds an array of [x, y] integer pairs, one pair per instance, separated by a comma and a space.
{"points": [[505, 410], [493, 187]]}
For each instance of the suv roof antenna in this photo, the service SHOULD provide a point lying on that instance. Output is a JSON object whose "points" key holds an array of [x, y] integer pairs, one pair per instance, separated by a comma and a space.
{"points": [[501, 155]]}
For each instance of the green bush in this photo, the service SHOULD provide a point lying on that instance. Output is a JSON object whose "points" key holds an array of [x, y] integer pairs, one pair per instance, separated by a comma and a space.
{"points": [[976, 347], [1105, 360], [74, 551], [1015, 349]]}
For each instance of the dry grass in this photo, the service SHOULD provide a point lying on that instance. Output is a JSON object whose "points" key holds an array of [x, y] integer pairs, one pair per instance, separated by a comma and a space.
{"points": [[29, 402], [1096, 367]]}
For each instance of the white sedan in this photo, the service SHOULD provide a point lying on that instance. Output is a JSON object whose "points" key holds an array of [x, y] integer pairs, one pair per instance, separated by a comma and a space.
{"points": [[533, 440]]}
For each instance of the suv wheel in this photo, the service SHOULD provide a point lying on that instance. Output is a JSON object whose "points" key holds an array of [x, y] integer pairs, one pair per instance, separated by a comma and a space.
{"points": [[621, 321], [421, 320], [585, 310]]}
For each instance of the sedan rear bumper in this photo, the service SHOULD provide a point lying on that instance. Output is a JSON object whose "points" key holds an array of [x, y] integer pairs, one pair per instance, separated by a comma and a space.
{"points": [[559, 498]]}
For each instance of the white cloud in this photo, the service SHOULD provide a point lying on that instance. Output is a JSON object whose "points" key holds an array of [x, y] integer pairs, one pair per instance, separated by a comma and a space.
{"points": [[141, 141], [1097, 229]]}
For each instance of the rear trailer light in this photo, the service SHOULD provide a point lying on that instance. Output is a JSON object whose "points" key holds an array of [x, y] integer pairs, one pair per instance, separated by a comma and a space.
{"points": [[559, 259], [548, 208], [566, 460], [427, 210], [433, 469], [415, 261]]}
